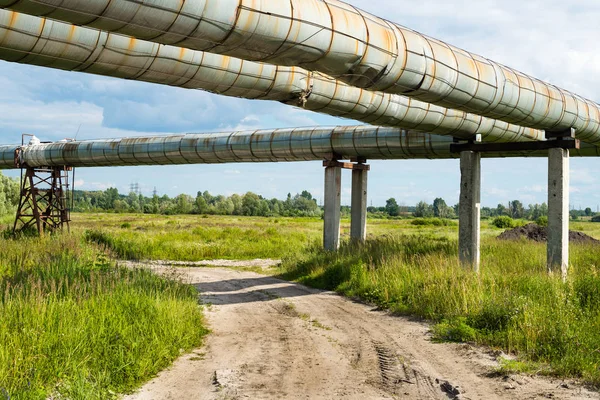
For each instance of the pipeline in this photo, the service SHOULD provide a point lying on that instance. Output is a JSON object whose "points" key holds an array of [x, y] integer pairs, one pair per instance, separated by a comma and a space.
{"points": [[340, 40], [279, 145], [33, 40]]}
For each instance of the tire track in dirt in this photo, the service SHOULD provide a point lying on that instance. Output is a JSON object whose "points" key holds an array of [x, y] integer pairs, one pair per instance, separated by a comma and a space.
{"points": [[273, 339]]}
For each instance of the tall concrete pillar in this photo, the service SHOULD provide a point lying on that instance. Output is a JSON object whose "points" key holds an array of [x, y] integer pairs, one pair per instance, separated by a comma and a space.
{"points": [[558, 211], [333, 195], [358, 225], [469, 226]]}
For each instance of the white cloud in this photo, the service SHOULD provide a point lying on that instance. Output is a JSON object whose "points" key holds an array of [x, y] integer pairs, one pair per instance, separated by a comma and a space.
{"points": [[535, 189], [583, 175], [82, 185]]}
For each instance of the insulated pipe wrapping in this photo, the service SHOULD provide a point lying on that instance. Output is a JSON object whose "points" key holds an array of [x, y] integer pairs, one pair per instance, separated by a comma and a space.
{"points": [[278, 145], [33, 40], [336, 38]]}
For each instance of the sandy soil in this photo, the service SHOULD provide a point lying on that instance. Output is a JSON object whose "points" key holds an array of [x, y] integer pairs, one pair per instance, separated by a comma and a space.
{"points": [[273, 339]]}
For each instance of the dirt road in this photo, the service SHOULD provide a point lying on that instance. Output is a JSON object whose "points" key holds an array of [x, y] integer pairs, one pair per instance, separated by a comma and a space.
{"points": [[273, 339]]}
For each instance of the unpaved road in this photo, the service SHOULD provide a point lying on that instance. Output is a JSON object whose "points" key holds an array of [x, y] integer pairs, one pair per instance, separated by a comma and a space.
{"points": [[273, 339]]}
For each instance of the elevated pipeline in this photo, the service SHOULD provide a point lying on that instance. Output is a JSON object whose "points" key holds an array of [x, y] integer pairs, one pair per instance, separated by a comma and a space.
{"points": [[37, 41], [279, 145], [340, 40]]}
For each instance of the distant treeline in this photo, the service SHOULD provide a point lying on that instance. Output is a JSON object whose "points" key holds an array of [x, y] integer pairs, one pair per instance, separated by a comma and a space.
{"points": [[252, 204], [302, 204], [439, 209], [249, 204]]}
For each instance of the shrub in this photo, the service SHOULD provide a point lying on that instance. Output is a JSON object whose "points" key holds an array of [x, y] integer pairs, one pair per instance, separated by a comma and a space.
{"points": [[432, 222], [503, 222], [454, 330], [596, 218], [542, 221]]}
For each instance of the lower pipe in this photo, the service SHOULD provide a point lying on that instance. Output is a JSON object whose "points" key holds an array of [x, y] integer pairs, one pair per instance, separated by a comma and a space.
{"points": [[278, 145]]}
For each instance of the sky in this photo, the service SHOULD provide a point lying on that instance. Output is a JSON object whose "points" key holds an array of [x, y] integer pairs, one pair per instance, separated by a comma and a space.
{"points": [[553, 40]]}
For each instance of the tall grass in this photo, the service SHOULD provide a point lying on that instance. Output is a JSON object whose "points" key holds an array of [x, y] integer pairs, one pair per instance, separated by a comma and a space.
{"points": [[194, 238], [73, 325], [513, 304]]}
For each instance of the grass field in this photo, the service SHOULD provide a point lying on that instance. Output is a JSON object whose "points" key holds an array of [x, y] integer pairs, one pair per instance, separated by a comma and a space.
{"points": [[73, 325], [194, 238], [410, 269]]}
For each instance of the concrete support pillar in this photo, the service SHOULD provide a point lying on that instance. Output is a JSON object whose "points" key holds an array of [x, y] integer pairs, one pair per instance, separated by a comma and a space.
{"points": [[469, 235], [358, 226], [558, 211], [333, 194]]}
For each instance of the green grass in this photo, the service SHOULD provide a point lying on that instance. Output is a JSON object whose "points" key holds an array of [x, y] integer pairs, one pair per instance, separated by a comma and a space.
{"points": [[73, 325], [513, 305], [195, 238]]}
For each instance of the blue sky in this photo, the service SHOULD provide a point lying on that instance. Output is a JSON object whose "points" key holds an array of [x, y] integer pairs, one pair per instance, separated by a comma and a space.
{"points": [[553, 40]]}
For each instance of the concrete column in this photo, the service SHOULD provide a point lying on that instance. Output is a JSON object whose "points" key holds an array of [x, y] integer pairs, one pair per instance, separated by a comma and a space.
{"points": [[558, 211], [469, 226], [358, 226], [333, 194]]}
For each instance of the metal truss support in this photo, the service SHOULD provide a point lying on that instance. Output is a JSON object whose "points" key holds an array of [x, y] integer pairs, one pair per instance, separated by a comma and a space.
{"points": [[44, 202]]}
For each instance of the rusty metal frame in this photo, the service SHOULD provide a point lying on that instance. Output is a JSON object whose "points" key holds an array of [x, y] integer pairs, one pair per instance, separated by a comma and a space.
{"points": [[43, 204], [346, 165]]}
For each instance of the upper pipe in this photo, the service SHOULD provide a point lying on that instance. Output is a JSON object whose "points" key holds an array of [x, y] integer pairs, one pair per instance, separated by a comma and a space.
{"points": [[342, 41], [33, 40], [275, 145]]}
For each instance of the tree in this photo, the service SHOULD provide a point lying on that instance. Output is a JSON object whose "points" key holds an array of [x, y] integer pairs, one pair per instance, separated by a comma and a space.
{"points": [[9, 194], [250, 204], [516, 209], [263, 208], [534, 212], [133, 202], [305, 204], [121, 206], [183, 204], [236, 199], [107, 200], [225, 207], [207, 197], [423, 210], [306, 194], [588, 212], [392, 208], [200, 207], [501, 210], [486, 212], [544, 210], [440, 208]]}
